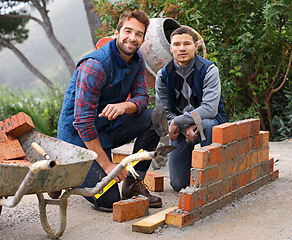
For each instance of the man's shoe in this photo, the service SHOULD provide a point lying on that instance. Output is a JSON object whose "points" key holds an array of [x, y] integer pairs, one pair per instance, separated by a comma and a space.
{"points": [[134, 187], [102, 209], [55, 195]]}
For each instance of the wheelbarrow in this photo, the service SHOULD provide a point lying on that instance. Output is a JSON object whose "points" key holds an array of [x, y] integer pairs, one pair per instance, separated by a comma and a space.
{"points": [[65, 170]]}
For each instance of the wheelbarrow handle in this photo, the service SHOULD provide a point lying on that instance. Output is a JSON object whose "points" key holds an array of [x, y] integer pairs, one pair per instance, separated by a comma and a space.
{"points": [[40, 150]]}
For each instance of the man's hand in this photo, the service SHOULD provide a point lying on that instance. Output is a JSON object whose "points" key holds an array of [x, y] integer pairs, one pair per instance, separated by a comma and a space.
{"points": [[103, 160], [111, 111], [110, 166], [190, 133], [173, 131]]}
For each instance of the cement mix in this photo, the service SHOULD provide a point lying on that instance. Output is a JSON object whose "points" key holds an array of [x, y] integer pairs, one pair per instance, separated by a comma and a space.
{"points": [[262, 214]]}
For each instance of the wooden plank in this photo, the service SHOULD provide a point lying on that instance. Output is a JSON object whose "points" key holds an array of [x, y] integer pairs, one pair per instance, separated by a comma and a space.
{"points": [[149, 224]]}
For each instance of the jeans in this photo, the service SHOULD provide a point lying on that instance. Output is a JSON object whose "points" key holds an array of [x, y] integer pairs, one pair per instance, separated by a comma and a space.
{"points": [[180, 159], [132, 126]]}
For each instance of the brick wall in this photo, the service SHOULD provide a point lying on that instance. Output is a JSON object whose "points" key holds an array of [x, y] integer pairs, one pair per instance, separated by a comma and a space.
{"points": [[235, 164]]}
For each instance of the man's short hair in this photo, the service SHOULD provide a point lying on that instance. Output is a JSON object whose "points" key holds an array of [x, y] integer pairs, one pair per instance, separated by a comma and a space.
{"points": [[138, 14], [182, 30]]}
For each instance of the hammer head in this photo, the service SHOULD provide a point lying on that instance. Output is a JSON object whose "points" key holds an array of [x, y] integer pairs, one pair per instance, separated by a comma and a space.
{"points": [[159, 120], [198, 121]]}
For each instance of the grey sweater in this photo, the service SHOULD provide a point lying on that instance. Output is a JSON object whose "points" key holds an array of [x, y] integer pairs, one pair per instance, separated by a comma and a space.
{"points": [[210, 100]]}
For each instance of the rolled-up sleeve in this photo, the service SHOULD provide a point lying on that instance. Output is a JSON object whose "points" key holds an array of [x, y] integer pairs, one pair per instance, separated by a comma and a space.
{"points": [[91, 78], [139, 92]]}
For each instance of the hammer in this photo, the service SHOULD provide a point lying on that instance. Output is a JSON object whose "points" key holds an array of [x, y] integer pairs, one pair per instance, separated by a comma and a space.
{"points": [[198, 122]]}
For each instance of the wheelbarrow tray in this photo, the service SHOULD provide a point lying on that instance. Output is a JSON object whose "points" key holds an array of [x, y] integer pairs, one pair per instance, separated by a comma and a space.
{"points": [[73, 165]]}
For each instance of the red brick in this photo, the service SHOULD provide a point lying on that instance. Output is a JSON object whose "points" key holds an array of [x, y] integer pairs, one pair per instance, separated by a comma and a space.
{"points": [[243, 178], [154, 182], [180, 200], [3, 137], [224, 133], [208, 176], [117, 158], [194, 177], [214, 154], [177, 219], [188, 202], [253, 158], [130, 209], [265, 138], [25, 125], [228, 185], [241, 163], [255, 173], [263, 154], [254, 126], [11, 138], [243, 129], [247, 160], [234, 164], [271, 164], [275, 175], [202, 178], [234, 182], [244, 146], [247, 176], [200, 158], [8, 125], [222, 173], [11, 150], [257, 141], [202, 198], [16, 162], [2, 127], [230, 168], [213, 174], [229, 151], [14, 121]]}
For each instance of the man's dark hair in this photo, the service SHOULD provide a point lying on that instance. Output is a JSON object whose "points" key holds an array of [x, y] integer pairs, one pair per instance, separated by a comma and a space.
{"points": [[182, 30], [138, 14]]}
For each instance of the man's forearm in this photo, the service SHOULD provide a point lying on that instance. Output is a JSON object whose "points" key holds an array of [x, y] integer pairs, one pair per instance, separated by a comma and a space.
{"points": [[130, 107], [95, 146]]}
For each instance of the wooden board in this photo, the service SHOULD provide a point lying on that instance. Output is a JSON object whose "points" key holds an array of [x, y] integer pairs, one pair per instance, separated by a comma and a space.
{"points": [[149, 224]]}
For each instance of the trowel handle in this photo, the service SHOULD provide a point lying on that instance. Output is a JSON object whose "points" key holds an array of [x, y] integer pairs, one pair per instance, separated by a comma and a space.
{"points": [[40, 150]]}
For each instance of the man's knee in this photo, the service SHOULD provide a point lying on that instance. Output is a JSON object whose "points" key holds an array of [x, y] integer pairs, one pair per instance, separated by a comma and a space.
{"points": [[208, 124], [178, 185], [146, 114]]}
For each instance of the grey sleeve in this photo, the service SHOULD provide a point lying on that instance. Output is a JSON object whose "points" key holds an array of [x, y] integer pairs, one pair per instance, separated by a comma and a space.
{"points": [[161, 96], [211, 94], [210, 99]]}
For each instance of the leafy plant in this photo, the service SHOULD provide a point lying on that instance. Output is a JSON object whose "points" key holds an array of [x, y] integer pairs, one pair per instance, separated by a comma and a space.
{"points": [[250, 42], [44, 108]]}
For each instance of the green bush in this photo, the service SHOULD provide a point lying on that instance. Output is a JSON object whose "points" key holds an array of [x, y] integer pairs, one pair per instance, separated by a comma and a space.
{"points": [[43, 107]]}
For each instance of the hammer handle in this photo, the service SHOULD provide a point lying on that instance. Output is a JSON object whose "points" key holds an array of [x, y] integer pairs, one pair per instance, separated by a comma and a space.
{"points": [[40, 150]]}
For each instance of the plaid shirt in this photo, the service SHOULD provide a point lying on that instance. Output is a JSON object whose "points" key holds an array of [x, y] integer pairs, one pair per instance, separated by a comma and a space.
{"points": [[91, 78]]}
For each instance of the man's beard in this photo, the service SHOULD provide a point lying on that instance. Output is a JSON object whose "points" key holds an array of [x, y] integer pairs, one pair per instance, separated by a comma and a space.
{"points": [[126, 50]]}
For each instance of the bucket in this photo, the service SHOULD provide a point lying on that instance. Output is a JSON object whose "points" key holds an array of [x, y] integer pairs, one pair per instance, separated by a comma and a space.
{"points": [[155, 49]]}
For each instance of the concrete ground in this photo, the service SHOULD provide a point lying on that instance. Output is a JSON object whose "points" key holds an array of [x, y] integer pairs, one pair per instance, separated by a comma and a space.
{"points": [[263, 214]]}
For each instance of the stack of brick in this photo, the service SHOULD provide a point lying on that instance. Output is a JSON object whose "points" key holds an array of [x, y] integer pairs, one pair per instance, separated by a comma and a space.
{"points": [[235, 164], [11, 151]]}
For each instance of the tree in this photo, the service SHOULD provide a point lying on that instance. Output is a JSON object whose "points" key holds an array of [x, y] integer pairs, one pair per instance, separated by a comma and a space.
{"points": [[93, 20], [9, 17], [250, 41]]}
